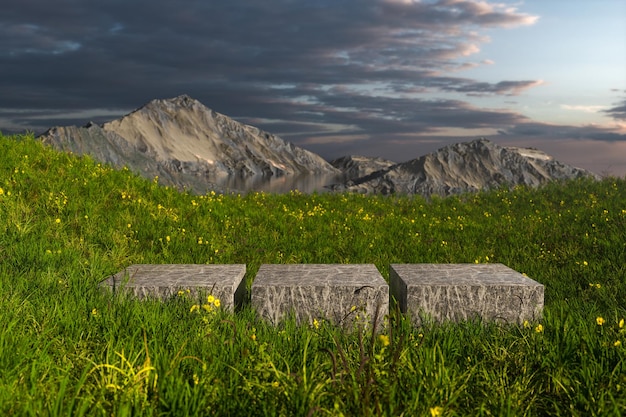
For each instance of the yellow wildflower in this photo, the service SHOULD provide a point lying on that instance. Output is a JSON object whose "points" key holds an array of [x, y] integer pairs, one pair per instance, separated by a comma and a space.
{"points": [[217, 302], [436, 411], [539, 328], [384, 339], [210, 299], [600, 321], [194, 308], [621, 324], [617, 343]]}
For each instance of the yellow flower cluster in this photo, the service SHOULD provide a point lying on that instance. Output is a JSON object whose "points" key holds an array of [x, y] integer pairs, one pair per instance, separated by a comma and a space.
{"points": [[485, 259], [212, 303]]}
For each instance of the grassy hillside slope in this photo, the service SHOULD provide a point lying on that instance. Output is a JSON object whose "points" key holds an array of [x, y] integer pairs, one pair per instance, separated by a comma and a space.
{"points": [[69, 349]]}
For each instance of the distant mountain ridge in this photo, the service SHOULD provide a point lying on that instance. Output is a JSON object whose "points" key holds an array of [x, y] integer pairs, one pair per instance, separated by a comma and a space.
{"points": [[356, 166], [464, 167], [187, 145], [190, 146]]}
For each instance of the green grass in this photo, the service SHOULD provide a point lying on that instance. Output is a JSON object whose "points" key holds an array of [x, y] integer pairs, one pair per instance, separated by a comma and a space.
{"points": [[67, 348]]}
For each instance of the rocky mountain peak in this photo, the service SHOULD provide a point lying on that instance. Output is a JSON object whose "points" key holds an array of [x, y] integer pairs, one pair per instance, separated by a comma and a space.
{"points": [[188, 145], [465, 167], [356, 166]]}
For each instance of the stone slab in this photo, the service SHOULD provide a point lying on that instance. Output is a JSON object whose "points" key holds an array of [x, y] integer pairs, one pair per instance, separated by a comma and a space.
{"points": [[165, 280], [493, 292], [346, 295]]}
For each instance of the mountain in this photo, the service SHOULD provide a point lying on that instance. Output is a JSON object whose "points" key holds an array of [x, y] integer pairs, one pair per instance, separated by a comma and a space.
{"points": [[464, 167], [355, 166], [187, 145]]}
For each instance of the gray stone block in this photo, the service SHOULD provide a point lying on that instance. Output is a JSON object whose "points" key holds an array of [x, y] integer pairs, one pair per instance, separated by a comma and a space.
{"points": [[493, 292], [343, 294], [224, 282]]}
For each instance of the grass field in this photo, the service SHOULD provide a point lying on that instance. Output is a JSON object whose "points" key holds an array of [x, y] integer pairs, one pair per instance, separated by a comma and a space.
{"points": [[68, 348]]}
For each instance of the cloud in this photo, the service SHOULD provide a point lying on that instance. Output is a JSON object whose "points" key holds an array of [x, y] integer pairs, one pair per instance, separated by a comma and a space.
{"points": [[26, 38], [507, 88], [618, 111], [382, 116], [586, 132], [583, 108], [116, 54]]}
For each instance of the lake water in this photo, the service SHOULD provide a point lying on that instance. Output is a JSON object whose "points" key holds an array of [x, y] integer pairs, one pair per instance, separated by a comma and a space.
{"points": [[306, 184]]}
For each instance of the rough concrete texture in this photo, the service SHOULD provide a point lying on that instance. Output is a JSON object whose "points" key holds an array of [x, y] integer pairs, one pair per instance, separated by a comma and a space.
{"points": [[493, 292], [345, 295], [224, 282]]}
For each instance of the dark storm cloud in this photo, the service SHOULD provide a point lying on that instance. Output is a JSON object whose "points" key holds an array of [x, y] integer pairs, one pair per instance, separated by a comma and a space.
{"points": [[589, 132], [509, 88], [618, 112], [379, 115], [322, 62]]}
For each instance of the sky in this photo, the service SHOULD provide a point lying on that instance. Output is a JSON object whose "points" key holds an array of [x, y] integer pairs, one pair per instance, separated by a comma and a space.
{"points": [[384, 78]]}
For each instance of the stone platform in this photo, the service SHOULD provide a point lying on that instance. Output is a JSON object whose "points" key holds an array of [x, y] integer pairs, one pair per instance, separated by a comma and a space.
{"points": [[224, 282], [344, 294], [493, 292]]}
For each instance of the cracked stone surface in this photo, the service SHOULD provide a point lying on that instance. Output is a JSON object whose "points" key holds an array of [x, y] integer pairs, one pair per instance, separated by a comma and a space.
{"points": [[493, 292], [163, 281], [344, 294]]}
